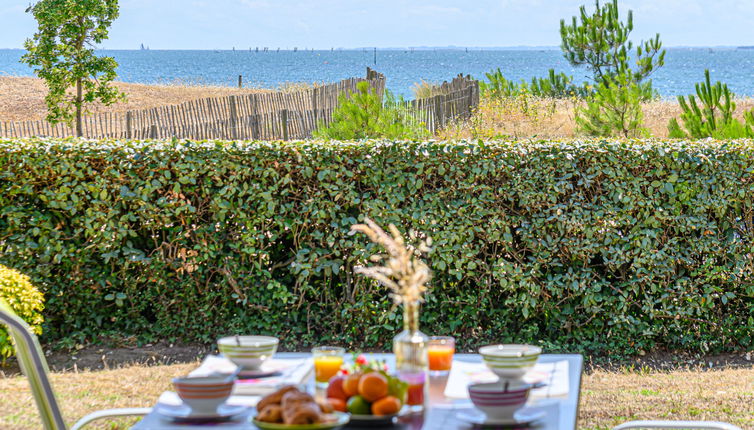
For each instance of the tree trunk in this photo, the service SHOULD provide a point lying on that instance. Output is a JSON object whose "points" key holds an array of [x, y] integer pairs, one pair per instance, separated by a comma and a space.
{"points": [[79, 89], [79, 131]]}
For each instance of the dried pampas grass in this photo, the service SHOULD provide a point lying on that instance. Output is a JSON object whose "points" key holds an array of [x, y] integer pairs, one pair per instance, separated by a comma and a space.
{"points": [[404, 272]]}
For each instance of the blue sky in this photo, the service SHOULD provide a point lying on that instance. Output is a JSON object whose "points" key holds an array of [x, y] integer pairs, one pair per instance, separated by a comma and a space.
{"points": [[322, 24]]}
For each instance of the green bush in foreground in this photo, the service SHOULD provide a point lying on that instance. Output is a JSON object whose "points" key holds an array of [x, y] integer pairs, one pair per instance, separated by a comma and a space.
{"points": [[605, 247], [25, 300]]}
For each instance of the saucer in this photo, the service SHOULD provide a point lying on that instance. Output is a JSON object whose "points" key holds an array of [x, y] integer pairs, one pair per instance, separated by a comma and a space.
{"points": [[184, 413], [258, 373], [526, 415]]}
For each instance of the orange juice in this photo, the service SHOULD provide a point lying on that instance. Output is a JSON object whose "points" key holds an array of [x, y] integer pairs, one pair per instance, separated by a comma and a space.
{"points": [[326, 366], [415, 394], [440, 357]]}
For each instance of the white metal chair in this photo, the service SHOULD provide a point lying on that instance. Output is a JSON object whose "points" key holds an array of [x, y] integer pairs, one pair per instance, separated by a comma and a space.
{"points": [[34, 366], [690, 425]]}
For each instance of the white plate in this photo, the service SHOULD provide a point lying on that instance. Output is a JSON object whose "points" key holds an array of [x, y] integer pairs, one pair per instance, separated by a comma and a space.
{"points": [[525, 415], [184, 412]]}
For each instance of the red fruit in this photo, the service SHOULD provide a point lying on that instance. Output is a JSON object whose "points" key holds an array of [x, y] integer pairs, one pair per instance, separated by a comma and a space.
{"points": [[337, 404], [335, 388]]}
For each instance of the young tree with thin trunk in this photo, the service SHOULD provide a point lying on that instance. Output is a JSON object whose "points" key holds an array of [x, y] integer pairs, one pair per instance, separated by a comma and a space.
{"points": [[600, 42], [62, 53]]}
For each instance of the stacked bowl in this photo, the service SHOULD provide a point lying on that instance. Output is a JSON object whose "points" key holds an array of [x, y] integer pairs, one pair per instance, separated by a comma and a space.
{"points": [[248, 352], [500, 400], [510, 362], [204, 394]]}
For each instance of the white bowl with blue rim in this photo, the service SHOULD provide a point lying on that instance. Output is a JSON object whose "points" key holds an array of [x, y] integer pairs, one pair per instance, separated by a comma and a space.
{"points": [[510, 361], [248, 352]]}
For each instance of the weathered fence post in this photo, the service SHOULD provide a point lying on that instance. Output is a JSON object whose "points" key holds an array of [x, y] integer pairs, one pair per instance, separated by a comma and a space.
{"points": [[153, 131], [284, 120], [129, 121], [233, 118], [314, 105]]}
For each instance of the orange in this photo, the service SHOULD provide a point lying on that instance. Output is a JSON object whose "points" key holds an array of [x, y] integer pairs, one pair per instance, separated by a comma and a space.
{"points": [[373, 386], [387, 405], [337, 404], [351, 385], [335, 388]]}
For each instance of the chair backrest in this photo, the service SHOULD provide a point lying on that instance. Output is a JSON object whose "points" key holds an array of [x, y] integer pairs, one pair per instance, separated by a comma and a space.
{"points": [[32, 362], [684, 425]]}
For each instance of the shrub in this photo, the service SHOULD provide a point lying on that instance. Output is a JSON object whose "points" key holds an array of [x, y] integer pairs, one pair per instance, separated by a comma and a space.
{"points": [[599, 247], [498, 86], [25, 300], [714, 118], [615, 107], [423, 90], [363, 115], [555, 85]]}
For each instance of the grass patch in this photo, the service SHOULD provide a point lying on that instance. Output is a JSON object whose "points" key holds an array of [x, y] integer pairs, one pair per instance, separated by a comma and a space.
{"points": [[608, 398], [529, 117]]}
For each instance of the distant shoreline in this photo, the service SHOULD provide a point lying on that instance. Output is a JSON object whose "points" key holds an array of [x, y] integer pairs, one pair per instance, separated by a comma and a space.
{"points": [[407, 48]]}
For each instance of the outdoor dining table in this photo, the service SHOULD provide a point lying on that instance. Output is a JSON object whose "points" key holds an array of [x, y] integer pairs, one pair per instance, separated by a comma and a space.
{"points": [[441, 413]]}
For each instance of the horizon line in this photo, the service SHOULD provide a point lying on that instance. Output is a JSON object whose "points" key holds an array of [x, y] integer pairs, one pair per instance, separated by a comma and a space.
{"points": [[388, 48]]}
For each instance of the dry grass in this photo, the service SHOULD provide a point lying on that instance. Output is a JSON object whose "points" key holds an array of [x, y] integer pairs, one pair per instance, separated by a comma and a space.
{"points": [[529, 117], [607, 398], [23, 98], [85, 392]]}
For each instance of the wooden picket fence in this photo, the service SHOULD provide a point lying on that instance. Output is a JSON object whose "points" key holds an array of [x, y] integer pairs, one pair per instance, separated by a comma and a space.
{"points": [[448, 102], [261, 116]]}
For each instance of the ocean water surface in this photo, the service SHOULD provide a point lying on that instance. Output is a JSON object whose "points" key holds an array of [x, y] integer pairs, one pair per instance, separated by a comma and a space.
{"points": [[403, 68]]}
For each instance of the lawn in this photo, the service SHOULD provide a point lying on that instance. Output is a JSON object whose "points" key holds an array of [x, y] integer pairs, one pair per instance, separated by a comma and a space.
{"points": [[608, 398]]}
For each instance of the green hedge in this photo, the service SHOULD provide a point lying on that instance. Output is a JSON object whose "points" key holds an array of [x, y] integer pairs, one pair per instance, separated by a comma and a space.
{"points": [[603, 247]]}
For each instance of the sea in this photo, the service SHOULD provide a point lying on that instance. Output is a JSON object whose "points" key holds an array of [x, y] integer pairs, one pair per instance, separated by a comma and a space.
{"points": [[403, 68]]}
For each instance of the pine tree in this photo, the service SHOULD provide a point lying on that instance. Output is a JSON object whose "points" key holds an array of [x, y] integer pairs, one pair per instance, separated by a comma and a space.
{"points": [[600, 42]]}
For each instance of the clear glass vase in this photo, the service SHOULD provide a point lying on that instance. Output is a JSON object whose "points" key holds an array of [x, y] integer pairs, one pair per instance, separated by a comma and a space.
{"points": [[411, 358]]}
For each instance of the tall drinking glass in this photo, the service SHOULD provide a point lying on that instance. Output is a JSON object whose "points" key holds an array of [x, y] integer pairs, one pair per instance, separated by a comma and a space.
{"points": [[327, 362], [440, 350]]}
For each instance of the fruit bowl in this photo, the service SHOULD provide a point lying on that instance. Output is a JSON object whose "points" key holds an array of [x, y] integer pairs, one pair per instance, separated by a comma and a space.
{"points": [[368, 392], [376, 420]]}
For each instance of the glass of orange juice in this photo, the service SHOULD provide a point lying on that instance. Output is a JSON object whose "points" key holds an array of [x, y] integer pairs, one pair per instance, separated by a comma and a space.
{"points": [[327, 362], [440, 350]]}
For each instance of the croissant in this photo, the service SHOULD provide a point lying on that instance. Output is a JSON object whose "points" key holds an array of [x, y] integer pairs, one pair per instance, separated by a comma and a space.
{"points": [[292, 398], [275, 398], [271, 414], [325, 406], [302, 413]]}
